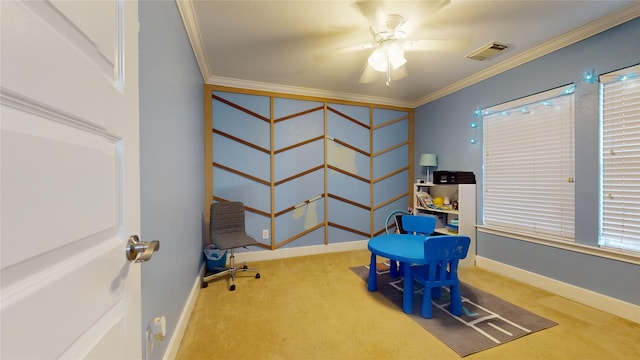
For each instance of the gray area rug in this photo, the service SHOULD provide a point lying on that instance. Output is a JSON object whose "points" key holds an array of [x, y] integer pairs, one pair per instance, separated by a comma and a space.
{"points": [[486, 320]]}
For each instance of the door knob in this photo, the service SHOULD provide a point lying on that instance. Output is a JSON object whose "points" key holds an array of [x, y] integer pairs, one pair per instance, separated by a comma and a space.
{"points": [[140, 251]]}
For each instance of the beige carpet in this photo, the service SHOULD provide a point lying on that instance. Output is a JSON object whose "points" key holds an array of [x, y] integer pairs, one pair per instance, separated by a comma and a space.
{"points": [[313, 307], [486, 320]]}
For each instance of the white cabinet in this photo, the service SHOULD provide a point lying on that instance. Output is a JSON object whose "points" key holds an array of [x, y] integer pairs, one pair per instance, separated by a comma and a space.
{"points": [[462, 195]]}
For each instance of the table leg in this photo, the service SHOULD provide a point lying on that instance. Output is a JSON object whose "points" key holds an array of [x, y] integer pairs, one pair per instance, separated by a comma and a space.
{"points": [[407, 295], [393, 268], [372, 282]]}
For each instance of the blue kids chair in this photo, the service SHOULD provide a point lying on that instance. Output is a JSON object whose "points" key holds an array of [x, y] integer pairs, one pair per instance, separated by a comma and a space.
{"points": [[442, 254]]}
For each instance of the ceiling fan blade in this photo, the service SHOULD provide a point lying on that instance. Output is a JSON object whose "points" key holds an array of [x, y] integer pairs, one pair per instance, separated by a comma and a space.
{"points": [[359, 47], [344, 50], [415, 13], [372, 11], [368, 75], [419, 13], [399, 73], [436, 45]]}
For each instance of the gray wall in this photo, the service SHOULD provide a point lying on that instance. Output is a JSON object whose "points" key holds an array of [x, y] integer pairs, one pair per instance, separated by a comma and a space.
{"points": [[443, 127], [171, 157]]}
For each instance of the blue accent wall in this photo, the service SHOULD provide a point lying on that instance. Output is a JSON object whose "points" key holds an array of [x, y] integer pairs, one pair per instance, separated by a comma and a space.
{"points": [[171, 158], [314, 154], [443, 127]]}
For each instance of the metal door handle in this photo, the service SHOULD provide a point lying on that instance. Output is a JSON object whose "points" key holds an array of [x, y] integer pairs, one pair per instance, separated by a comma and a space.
{"points": [[140, 251]]}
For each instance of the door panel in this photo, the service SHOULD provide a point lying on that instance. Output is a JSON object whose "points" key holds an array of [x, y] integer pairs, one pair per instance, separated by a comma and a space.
{"points": [[70, 179], [80, 169]]}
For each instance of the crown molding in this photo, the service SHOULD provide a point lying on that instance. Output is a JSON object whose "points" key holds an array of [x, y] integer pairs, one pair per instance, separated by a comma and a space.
{"points": [[604, 23], [595, 27], [187, 13], [302, 91]]}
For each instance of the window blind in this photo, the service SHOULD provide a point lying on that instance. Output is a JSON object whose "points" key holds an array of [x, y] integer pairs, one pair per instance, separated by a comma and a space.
{"points": [[528, 163], [620, 208]]}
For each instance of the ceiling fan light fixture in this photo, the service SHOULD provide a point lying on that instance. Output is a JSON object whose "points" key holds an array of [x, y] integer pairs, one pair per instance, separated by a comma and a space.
{"points": [[396, 55], [378, 60], [388, 54]]}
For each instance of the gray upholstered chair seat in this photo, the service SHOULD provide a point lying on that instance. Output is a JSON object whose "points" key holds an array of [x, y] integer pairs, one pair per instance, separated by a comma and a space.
{"points": [[227, 232], [233, 240]]}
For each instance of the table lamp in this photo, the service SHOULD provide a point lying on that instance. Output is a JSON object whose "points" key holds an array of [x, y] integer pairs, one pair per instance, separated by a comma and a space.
{"points": [[428, 160]]}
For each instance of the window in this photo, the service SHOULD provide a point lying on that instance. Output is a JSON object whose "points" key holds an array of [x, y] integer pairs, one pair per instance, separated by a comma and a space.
{"points": [[528, 163], [620, 116]]}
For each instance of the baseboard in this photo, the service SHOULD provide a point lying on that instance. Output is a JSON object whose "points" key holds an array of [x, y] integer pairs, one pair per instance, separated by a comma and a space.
{"points": [[181, 326], [261, 255], [587, 297], [178, 334]]}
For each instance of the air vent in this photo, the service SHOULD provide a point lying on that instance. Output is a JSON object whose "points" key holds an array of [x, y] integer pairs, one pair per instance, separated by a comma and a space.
{"points": [[487, 51]]}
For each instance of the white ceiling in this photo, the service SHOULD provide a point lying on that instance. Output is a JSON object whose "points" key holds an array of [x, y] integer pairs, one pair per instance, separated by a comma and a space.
{"points": [[290, 46]]}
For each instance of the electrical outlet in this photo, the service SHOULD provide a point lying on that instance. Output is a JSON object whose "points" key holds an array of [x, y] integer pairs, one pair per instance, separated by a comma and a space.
{"points": [[265, 234], [156, 330], [159, 328]]}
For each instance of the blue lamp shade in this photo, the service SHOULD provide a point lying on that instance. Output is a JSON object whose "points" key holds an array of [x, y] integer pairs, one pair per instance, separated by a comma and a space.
{"points": [[428, 160]]}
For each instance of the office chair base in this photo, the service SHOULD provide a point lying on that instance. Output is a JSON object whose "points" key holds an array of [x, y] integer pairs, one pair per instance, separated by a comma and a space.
{"points": [[229, 271]]}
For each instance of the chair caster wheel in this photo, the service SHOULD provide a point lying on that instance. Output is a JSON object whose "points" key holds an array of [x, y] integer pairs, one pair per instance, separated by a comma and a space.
{"points": [[232, 287], [245, 267], [258, 276]]}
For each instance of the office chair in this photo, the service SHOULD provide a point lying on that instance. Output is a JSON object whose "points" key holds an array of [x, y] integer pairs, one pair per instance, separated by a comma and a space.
{"points": [[227, 232], [442, 254]]}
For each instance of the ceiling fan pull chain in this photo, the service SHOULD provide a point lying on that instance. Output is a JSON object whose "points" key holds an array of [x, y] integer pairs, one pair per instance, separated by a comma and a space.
{"points": [[388, 68]]}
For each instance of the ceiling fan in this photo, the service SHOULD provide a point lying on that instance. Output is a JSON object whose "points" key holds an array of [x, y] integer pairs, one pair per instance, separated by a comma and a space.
{"points": [[391, 36]]}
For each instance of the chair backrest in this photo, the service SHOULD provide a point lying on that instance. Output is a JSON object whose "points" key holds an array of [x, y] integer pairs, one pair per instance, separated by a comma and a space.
{"points": [[226, 217], [442, 253], [419, 224]]}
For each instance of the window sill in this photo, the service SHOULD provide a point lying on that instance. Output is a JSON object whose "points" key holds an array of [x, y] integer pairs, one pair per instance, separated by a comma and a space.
{"points": [[609, 253]]}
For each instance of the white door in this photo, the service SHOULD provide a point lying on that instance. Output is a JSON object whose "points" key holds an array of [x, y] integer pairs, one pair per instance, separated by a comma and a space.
{"points": [[70, 179]]}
